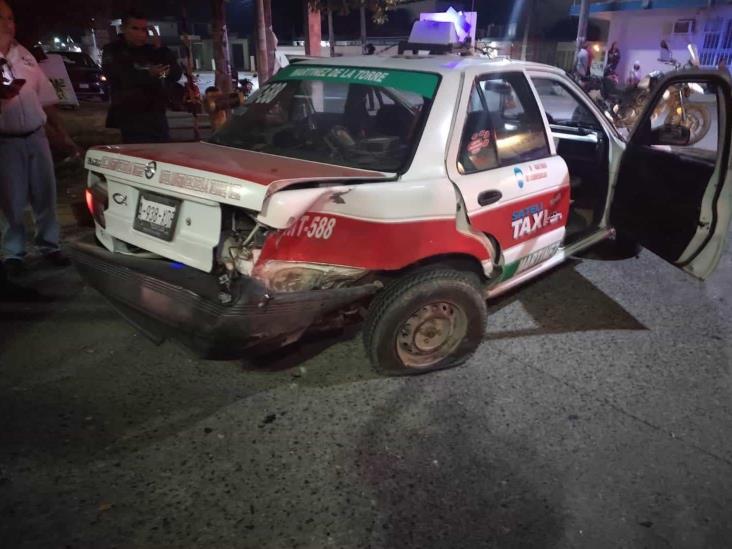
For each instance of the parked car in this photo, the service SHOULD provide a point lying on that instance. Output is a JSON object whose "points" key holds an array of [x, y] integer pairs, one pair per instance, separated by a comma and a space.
{"points": [[404, 191], [86, 76]]}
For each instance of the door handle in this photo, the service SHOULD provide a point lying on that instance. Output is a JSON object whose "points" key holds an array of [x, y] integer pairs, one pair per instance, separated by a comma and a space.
{"points": [[489, 197]]}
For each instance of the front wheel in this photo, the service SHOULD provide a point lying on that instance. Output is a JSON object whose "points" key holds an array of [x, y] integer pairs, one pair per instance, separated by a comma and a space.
{"points": [[426, 321], [697, 119]]}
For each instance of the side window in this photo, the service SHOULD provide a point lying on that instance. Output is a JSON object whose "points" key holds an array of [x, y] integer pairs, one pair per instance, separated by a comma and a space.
{"points": [[562, 107], [503, 125]]}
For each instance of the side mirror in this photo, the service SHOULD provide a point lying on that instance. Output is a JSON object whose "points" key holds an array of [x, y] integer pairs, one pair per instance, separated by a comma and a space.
{"points": [[668, 134]]}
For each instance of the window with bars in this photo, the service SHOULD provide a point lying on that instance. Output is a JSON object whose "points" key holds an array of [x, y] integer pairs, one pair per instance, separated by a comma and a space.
{"points": [[717, 44]]}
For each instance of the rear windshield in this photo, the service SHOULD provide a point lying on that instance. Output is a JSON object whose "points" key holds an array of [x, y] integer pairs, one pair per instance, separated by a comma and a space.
{"points": [[362, 118]]}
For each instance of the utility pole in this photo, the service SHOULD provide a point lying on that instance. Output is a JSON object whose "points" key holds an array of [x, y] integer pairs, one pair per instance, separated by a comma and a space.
{"points": [[263, 70], [584, 18], [363, 26], [527, 28], [271, 39], [331, 34]]}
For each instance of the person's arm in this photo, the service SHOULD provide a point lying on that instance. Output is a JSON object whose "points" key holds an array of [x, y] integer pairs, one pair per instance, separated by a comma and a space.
{"points": [[175, 71], [123, 75], [56, 132], [110, 69], [60, 136]]}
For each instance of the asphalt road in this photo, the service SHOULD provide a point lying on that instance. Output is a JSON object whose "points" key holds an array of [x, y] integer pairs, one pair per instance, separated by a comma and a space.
{"points": [[596, 414]]}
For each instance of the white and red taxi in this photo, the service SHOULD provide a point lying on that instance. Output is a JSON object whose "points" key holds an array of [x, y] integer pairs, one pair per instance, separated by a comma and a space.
{"points": [[408, 190]]}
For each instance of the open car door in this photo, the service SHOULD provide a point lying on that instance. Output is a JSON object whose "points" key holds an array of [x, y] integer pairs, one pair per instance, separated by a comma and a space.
{"points": [[674, 186]]}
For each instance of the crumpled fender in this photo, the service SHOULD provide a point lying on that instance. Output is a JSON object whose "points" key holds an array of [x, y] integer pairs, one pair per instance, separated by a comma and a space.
{"points": [[281, 209]]}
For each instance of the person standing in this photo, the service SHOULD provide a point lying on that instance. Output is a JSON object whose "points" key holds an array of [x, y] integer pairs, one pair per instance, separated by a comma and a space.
{"points": [[27, 101], [139, 76], [634, 77], [582, 68], [665, 55], [613, 60]]}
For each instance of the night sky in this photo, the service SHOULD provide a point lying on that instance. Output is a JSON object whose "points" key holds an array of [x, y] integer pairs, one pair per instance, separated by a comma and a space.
{"points": [[69, 16]]}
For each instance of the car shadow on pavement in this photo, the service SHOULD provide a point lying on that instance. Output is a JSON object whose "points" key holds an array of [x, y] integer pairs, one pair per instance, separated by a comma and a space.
{"points": [[295, 354], [457, 484], [562, 301]]}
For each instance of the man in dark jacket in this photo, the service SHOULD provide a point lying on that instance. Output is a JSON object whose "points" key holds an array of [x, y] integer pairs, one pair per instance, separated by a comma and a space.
{"points": [[139, 75]]}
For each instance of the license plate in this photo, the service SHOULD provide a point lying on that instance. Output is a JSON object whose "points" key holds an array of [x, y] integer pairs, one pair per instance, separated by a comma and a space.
{"points": [[84, 86], [156, 215]]}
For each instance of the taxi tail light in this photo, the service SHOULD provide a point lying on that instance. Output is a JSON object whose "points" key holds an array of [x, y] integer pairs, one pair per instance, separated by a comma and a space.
{"points": [[97, 201]]}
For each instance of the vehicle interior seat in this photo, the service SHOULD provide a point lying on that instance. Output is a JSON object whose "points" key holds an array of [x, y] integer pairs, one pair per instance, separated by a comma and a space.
{"points": [[393, 121], [585, 150], [356, 116]]}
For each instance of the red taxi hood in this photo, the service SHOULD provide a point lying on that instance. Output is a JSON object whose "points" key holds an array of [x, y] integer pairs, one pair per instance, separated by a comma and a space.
{"points": [[215, 172]]}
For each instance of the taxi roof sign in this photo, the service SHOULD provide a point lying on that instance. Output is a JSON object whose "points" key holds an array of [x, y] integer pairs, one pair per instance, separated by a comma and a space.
{"points": [[441, 32]]}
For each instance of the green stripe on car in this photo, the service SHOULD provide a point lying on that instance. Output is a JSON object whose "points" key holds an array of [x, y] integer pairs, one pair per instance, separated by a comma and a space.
{"points": [[422, 83]]}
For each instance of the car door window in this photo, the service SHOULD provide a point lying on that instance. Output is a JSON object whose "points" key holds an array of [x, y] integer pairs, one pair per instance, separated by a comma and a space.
{"points": [[684, 120], [503, 124], [670, 190], [562, 108]]}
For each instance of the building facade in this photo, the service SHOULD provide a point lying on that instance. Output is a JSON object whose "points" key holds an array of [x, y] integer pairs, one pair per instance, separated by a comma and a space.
{"points": [[639, 26]]}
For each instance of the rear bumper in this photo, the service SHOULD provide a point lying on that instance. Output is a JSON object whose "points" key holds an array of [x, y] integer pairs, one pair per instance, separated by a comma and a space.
{"points": [[166, 300]]}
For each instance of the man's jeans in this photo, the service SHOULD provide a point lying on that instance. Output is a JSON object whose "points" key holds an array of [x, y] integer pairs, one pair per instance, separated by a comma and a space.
{"points": [[26, 175]]}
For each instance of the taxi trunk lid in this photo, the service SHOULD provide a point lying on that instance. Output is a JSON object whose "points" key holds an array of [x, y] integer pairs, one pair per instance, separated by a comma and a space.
{"points": [[213, 172], [193, 182]]}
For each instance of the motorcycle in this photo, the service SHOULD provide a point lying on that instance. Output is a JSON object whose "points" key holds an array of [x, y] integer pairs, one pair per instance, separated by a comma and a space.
{"points": [[677, 110], [625, 105]]}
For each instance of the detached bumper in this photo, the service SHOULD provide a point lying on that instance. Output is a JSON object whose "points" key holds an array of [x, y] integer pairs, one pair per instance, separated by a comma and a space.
{"points": [[167, 300]]}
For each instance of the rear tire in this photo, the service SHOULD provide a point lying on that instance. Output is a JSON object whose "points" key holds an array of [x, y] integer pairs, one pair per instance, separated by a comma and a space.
{"points": [[427, 321]]}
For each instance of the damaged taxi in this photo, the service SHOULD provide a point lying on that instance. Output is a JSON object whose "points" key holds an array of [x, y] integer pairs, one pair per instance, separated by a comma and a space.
{"points": [[404, 192]]}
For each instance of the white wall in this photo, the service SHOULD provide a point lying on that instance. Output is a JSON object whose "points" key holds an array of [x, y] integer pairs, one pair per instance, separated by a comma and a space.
{"points": [[639, 34]]}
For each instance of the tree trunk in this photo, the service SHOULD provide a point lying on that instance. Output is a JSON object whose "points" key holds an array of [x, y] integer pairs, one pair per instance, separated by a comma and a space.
{"points": [[312, 30], [221, 46], [262, 56]]}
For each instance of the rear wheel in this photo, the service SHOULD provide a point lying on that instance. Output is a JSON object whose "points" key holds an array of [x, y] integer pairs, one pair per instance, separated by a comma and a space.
{"points": [[424, 322]]}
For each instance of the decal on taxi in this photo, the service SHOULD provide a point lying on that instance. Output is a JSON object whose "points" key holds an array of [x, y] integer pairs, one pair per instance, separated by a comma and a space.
{"points": [[531, 219], [319, 226]]}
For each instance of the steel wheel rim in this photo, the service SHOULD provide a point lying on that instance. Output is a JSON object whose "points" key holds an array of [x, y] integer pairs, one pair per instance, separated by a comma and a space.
{"points": [[695, 123], [430, 334]]}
